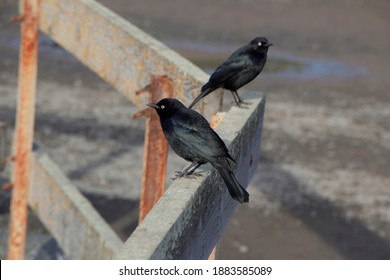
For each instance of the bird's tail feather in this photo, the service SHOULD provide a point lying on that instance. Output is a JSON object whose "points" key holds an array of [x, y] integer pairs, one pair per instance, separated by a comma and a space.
{"points": [[236, 191], [205, 91]]}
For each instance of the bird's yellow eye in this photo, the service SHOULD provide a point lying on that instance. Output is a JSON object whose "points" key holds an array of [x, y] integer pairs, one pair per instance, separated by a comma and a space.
{"points": [[259, 44], [162, 107]]}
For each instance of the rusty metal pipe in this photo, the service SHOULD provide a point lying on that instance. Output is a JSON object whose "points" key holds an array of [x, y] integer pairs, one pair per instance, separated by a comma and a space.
{"points": [[21, 172], [155, 148]]}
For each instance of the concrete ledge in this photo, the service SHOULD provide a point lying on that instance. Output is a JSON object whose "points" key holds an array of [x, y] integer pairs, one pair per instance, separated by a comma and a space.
{"points": [[78, 228], [190, 217], [117, 51]]}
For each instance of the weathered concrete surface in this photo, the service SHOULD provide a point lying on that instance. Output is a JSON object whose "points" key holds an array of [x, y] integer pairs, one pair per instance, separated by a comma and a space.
{"points": [[189, 219], [116, 50]]}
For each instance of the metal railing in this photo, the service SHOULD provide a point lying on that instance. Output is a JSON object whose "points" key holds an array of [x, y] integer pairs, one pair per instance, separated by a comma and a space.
{"points": [[184, 222]]}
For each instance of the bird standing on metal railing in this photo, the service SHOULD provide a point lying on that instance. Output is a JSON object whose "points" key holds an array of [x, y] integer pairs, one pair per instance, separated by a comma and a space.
{"points": [[191, 137], [239, 69]]}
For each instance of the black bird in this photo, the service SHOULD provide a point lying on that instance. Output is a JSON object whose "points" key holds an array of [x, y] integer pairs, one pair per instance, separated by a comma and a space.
{"points": [[191, 137], [239, 69]]}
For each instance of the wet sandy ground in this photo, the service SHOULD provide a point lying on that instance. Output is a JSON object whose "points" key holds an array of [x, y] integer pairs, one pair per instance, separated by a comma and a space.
{"points": [[322, 189]]}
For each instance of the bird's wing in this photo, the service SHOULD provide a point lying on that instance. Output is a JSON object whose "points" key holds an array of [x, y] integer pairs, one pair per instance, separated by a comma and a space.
{"points": [[236, 63], [196, 134]]}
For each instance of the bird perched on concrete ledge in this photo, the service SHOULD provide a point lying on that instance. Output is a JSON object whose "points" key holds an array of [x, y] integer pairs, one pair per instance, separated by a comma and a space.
{"points": [[239, 69], [191, 137]]}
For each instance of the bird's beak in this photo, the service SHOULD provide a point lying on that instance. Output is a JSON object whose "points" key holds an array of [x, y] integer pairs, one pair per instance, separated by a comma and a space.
{"points": [[269, 44], [153, 105]]}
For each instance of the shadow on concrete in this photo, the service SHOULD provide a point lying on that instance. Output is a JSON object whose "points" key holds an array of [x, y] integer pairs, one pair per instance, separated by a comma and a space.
{"points": [[89, 129], [92, 165], [127, 137], [120, 213], [5, 196], [50, 250], [347, 235]]}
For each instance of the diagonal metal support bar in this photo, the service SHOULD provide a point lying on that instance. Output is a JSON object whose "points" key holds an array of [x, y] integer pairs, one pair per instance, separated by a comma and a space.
{"points": [[189, 219]]}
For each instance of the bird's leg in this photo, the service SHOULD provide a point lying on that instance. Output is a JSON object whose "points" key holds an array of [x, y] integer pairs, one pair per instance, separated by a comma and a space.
{"points": [[184, 172], [189, 170], [234, 93], [237, 99], [193, 169]]}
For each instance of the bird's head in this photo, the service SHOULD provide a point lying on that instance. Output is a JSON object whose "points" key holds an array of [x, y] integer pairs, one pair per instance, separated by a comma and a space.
{"points": [[260, 44], [166, 107]]}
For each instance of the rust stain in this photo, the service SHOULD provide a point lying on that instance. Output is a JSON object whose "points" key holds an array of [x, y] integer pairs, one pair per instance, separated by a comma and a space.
{"points": [[9, 159], [16, 19], [7, 186], [216, 119]]}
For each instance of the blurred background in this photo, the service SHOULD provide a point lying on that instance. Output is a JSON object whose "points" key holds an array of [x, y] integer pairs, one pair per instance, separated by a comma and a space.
{"points": [[322, 189]]}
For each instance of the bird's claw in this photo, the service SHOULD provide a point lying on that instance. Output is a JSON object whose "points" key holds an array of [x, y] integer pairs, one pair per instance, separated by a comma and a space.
{"points": [[181, 174], [243, 104]]}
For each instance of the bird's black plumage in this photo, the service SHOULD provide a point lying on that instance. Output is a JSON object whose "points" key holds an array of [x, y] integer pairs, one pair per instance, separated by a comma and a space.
{"points": [[239, 69], [191, 137]]}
